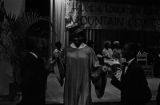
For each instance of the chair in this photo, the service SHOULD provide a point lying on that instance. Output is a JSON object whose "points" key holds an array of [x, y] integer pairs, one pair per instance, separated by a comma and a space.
{"points": [[142, 59]]}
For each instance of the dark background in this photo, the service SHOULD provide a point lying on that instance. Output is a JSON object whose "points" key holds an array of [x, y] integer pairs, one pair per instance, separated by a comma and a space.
{"points": [[148, 39], [42, 7]]}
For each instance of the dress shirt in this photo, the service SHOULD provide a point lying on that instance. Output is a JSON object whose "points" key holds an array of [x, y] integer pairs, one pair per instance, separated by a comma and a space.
{"points": [[129, 62]]}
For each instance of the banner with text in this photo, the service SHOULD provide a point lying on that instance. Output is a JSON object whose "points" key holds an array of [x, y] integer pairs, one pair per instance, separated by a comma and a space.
{"points": [[103, 15]]}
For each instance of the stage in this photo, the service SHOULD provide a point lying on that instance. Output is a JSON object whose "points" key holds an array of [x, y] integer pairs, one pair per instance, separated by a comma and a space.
{"points": [[54, 93]]}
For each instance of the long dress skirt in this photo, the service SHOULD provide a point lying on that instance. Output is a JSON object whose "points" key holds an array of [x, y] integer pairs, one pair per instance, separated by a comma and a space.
{"points": [[80, 63]]}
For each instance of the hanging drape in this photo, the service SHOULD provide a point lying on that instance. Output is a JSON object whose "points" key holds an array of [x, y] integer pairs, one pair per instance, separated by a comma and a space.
{"points": [[15, 7], [60, 21]]}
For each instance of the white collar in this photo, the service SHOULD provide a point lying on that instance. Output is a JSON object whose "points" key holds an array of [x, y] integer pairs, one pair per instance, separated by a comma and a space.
{"points": [[34, 55], [130, 61], [81, 46]]}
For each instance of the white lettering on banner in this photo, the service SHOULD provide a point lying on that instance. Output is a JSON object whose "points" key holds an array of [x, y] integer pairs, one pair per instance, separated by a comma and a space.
{"points": [[116, 22], [103, 15]]}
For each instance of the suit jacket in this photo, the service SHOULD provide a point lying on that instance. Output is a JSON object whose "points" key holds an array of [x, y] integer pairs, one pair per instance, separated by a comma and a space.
{"points": [[133, 85], [34, 77], [158, 95]]}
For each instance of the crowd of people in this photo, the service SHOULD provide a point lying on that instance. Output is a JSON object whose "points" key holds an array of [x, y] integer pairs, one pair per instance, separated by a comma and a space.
{"points": [[76, 66]]}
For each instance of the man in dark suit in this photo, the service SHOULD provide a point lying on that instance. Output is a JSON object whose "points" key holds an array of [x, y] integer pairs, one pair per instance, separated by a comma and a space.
{"points": [[133, 84], [33, 66]]}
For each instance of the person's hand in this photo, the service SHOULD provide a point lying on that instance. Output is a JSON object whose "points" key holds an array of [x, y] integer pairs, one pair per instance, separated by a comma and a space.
{"points": [[51, 61], [99, 55], [118, 74], [48, 63]]}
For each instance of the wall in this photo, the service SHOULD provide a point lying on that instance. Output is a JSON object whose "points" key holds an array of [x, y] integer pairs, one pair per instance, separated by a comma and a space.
{"points": [[14, 6]]}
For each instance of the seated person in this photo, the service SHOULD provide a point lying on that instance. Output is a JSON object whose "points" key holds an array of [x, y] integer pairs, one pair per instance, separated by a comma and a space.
{"points": [[107, 51], [117, 53]]}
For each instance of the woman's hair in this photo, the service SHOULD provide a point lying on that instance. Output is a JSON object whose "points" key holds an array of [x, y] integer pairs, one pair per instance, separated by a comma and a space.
{"points": [[77, 32], [107, 44], [116, 44]]}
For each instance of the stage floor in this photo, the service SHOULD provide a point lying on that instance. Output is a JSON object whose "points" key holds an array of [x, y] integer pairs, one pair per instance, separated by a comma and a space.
{"points": [[54, 93]]}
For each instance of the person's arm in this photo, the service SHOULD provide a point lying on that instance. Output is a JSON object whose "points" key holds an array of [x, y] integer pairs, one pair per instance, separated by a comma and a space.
{"points": [[95, 67], [98, 76], [60, 67], [115, 82]]}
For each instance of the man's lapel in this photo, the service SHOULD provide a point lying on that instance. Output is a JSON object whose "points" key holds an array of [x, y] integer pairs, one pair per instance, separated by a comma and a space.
{"points": [[129, 67]]}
